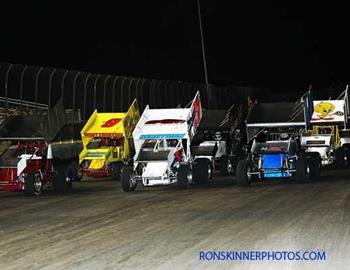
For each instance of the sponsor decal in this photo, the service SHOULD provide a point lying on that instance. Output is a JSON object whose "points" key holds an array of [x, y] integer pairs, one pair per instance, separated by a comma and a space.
{"points": [[111, 122], [161, 136], [315, 142], [95, 154], [328, 111]]}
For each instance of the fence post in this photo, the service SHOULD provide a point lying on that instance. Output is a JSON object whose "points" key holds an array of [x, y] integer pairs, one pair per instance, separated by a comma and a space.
{"points": [[84, 98], [136, 88], [132, 81], [121, 93], [166, 94], [62, 83], [156, 100], [74, 91], [150, 93], [95, 85], [6, 89], [36, 89], [172, 94], [113, 92], [184, 97], [104, 92], [50, 87], [21, 89], [177, 93], [141, 94]]}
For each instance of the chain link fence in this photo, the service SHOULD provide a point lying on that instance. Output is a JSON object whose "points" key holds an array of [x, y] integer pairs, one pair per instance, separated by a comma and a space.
{"points": [[31, 88]]}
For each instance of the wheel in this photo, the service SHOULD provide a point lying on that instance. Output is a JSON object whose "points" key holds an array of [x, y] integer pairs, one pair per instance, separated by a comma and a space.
{"points": [[62, 182], [127, 184], [346, 148], [243, 173], [340, 158], [184, 176], [225, 166], [33, 184], [201, 171], [234, 163], [116, 170], [314, 163], [302, 170], [79, 173], [211, 171]]}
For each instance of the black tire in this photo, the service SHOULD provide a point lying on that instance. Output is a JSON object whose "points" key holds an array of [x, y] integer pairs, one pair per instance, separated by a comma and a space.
{"points": [[62, 182], [200, 171], [211, 174], [79, 173], [314, 163], [340, 158], [302, 175], [243, 168], [127, 185], [33, 184], [224, 162], [117, 168], [346, 148], [183, 175]]}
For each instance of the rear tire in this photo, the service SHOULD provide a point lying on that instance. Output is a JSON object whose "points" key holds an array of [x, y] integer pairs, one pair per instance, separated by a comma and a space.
{"points": [[183, 175], [224, 166], [243, 168], [302, 175], [126, 182], [62, 182], [314, 163], [33, 184], [79, 173], [117, 168], [200, 170], [340, 158]]}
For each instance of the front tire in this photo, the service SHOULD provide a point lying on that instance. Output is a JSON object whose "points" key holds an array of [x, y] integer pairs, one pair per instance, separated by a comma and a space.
{"points": [[184, 176], [127, 183], [201, 169], [62, 182], [243, 170], [225, 166], [33, 184], [117, 168]]}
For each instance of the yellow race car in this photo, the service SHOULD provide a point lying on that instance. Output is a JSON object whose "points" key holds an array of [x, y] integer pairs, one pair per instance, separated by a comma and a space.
{"points": [[107, 142]]}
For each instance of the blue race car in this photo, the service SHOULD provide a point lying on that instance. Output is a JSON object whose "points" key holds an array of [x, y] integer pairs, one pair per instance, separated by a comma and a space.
{"points": [[273, 132], [275, 159]]}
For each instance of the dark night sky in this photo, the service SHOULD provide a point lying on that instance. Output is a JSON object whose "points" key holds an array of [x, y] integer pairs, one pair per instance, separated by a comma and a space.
{"points": [[278, 44]]}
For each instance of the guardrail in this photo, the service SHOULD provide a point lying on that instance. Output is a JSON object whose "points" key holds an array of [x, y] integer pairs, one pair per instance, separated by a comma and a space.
{"points": [[21, 103]]}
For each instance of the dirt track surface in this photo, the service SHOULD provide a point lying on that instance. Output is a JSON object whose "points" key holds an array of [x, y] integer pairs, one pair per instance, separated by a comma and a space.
{"points": [[99, 227]]}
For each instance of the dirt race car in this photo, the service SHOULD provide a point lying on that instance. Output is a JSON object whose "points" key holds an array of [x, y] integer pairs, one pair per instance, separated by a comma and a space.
{"points": [[218, 140], [33, 156], [162, 140], [327, 136], [107, 142], [274, 134]]}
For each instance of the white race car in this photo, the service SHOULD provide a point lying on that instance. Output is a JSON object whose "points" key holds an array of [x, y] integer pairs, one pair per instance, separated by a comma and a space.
{"points": [[162, 140]]}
